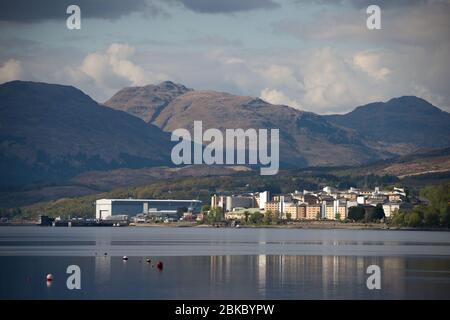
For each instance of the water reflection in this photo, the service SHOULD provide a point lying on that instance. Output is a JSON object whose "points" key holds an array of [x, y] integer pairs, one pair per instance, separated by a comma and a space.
{"points": [[261, 263], [102, 269], [228, 277], [223, 264], [330, 277]]}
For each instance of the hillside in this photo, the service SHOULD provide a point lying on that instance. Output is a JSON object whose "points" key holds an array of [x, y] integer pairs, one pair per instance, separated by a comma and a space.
{"points": [[94, 182], [52, 132], [406, 120], [422, 162]]}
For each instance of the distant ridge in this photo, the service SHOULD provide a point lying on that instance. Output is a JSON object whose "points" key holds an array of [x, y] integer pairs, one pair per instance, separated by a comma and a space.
{"points": [[307, 139], [52, 132], [408, 120]]}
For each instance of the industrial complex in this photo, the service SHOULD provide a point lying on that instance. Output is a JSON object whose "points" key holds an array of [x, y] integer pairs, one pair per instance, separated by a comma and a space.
{"points": [[127, 208]]}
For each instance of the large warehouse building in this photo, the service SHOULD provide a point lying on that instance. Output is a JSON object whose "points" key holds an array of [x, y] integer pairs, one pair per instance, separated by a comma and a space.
{"points": [[131, 207]]}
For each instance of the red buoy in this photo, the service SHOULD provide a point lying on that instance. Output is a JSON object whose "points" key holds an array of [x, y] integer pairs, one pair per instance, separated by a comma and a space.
{"points": [[159, 265], [49, 277]]}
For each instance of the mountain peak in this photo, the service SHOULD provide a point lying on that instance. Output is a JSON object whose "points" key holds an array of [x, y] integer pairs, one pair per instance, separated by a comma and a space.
{"points": [[407, 99], [172, 86], [42, 90], [36, 85], [148, 101]]}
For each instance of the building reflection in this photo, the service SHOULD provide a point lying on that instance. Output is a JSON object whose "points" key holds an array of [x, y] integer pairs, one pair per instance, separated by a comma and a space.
{"points": [[262, 270], [102, 269], [331, 276]]}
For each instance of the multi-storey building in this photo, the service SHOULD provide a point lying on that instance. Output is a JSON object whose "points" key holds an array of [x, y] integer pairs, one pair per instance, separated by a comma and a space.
{"points": [[296, 211], [329, 203], [218, 201], [313, 211], [328, 212], [273, 206], [390, 208]]}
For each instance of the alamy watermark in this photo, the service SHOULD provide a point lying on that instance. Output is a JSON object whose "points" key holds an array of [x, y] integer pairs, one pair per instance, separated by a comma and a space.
{"points": [[373, 21], [74, 20], [241, 146], [374, 280]]}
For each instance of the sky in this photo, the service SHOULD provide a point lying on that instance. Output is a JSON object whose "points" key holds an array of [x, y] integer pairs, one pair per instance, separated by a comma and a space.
{"points": [[314, 55]]}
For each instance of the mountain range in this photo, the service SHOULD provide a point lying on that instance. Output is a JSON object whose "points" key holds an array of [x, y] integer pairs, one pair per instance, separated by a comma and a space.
{"points": [[306, 139], [52, 133]]}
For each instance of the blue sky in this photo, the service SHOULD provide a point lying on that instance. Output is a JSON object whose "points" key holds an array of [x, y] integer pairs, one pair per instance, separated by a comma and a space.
{"points": [[315, 55]]}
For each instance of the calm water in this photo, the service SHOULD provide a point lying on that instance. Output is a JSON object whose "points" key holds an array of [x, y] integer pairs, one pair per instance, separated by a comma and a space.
{"points": [[207, 263]]}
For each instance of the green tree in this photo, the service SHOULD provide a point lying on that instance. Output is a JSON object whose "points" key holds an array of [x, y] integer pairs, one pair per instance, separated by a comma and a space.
{"points": [[267, 217], [374, 215], [219, 213], [413, 219], [444, 218], [256, 217], [356, 213], [337, 216], [288, 216], [246, 215], [275, 219], [431, 218], [215, 215], [398, 218], [205, 208], [439, 202]]}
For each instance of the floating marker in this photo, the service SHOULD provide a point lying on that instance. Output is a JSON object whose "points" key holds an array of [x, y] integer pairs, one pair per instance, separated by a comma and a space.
{"points": [[49, 277], [148, 260], [125, 258], [159, 265]]}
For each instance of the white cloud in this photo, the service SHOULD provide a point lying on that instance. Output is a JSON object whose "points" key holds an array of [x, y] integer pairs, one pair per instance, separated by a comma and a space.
{"points": [[280, 75], [10, 70], [115, 62], [277, 97], [103, 73], [369, 62]]}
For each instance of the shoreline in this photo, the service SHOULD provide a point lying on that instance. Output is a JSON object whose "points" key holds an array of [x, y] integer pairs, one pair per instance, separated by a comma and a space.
{"points": [[311, 225]]}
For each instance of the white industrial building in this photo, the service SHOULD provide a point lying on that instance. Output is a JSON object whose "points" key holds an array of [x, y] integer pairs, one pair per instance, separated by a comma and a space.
{"points": [[131, 207], [263, 197]]}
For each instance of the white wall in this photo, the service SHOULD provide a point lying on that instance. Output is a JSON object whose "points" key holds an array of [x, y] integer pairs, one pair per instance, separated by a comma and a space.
{"points": [[102, 208]]}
